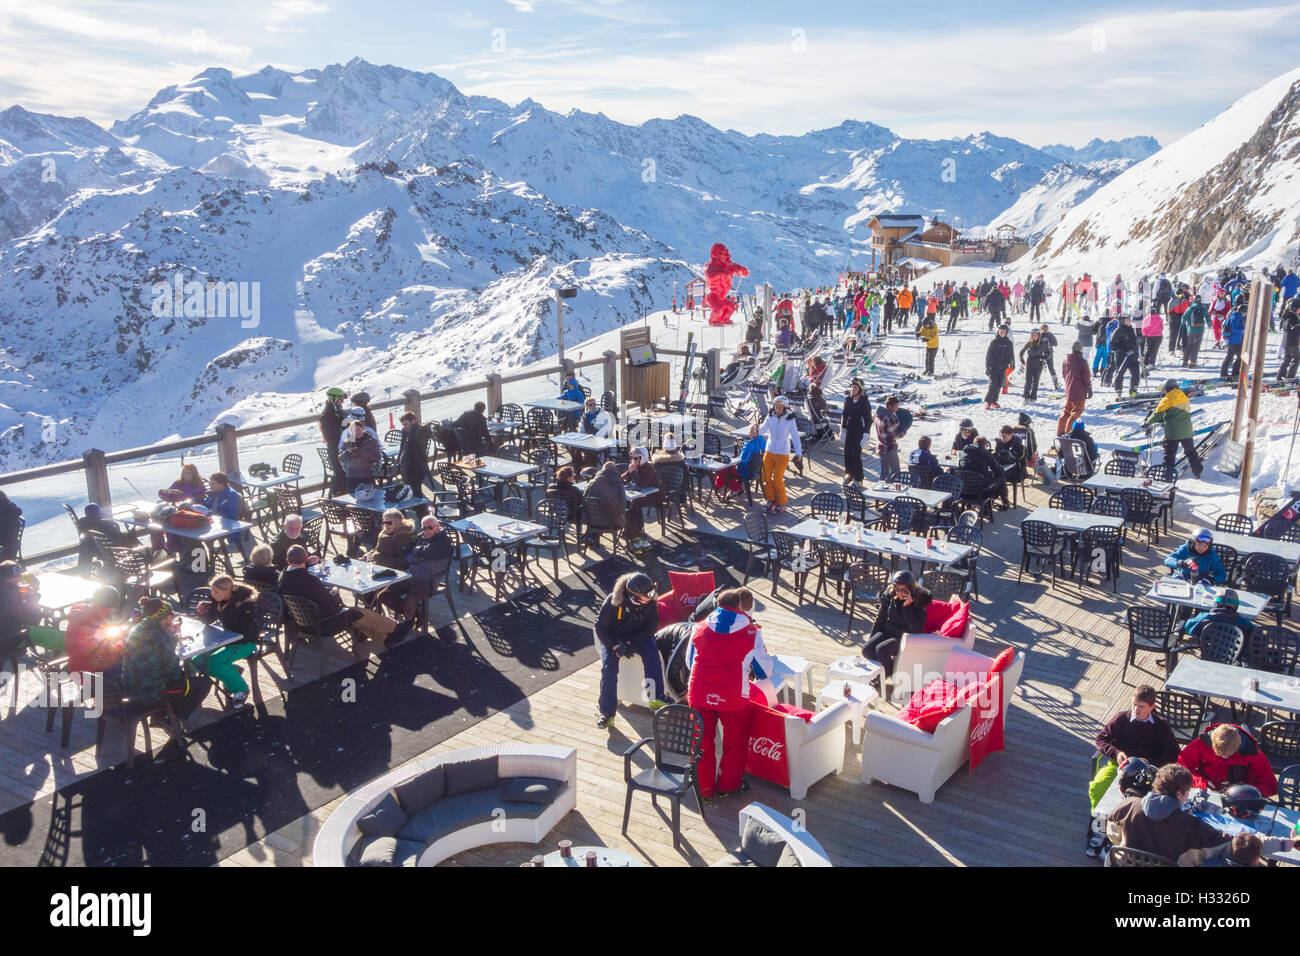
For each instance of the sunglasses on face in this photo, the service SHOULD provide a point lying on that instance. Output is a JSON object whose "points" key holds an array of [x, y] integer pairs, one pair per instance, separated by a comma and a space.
{"points": [[388, 524]]}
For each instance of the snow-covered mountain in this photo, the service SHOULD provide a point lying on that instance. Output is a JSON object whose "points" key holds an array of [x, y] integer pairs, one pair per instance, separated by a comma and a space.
{"points": [[389, 231], [1130, 148], [1227, 193]]}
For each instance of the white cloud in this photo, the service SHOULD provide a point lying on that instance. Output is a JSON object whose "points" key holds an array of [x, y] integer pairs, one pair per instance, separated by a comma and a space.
{"points": [[1157, 72], [288, 14]]}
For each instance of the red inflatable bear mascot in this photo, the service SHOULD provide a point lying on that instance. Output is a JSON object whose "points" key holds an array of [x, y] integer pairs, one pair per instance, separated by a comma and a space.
{"points": [[718, 275]]}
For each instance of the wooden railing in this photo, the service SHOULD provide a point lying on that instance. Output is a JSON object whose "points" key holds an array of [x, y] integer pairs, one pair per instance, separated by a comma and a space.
{"points": [[94, 462]]}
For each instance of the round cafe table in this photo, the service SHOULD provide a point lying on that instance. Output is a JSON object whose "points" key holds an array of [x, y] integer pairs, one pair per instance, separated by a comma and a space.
{"points": [[605, 856]]}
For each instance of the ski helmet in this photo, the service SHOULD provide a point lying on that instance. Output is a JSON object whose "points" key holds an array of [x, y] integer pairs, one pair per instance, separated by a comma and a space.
{"points": [[1243, 801], [336, 393], [1136, 777], [1170, 385], [640, 584], [107, 597], [966, 423], [1228, 598], [1204, 534]]}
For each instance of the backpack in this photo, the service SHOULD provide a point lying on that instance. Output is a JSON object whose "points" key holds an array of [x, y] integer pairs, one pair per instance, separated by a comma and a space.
{"points": [[185, 518]]}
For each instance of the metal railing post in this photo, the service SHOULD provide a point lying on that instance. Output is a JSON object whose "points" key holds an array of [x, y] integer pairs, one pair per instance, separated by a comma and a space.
{"points": [[611, 373]]}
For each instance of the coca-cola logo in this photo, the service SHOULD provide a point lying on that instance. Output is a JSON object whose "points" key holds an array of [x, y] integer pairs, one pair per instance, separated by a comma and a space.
{"points": [[690, 600], [766, 747], [713, 700], [981, 730]]}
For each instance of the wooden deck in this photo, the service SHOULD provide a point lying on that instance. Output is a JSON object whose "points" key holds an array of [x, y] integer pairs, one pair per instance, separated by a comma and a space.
{"points": [[1024, 806]]}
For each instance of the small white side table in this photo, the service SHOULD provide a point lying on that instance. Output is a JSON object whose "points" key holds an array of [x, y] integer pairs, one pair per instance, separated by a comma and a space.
{"points": [[856, 668], [860, 697], [792, 671]]}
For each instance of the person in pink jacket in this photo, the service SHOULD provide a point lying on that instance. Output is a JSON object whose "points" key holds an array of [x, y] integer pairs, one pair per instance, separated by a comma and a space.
{"points": [[1067, 299], [722, 649], [1018, 294], [1153, 329]]}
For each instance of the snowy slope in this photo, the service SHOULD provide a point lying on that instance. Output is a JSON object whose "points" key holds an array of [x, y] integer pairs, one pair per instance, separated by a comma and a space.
{"points": [[1224, 194]]}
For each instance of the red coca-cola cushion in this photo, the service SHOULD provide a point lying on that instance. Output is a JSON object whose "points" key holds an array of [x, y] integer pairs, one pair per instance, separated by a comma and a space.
{"points": [[948, 618], [687, 589], [935, 701], [793, 711], [1002, 661]]}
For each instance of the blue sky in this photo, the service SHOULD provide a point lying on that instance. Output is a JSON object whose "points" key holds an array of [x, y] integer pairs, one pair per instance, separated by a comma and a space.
{"points": [[1038, 72]]}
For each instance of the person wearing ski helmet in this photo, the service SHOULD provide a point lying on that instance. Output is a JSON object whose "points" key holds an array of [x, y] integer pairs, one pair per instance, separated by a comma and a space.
{"points": [[1174, 412], [332, 420], [1196, 560], [855, 421], [1224, 611], [625, 626], [966, 434], [902, 611], [784, 445], [1138, 731], [1155, 823]]}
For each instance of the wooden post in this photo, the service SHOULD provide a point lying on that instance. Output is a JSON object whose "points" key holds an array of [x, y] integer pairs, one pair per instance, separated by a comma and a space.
{"points": [[495, 393], [1261, 303], [97, 478], [568, 370], [611, 373], [412, 397], [714, 373], [227, 449]]}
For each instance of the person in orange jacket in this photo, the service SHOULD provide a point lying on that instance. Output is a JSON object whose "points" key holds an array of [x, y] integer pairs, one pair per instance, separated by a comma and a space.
{"points": [[1227, 754]]}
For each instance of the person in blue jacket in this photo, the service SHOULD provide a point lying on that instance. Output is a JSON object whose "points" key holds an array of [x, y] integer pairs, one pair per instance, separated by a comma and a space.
{"points": [[1223, 612], [222, 501], [1198, 550], [1234, 331], [573, 393], [1290, 285]]}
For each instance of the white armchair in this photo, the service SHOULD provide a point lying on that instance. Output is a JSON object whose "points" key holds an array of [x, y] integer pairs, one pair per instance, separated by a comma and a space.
{"points": [[813, 748], [632, 687], [921, 659], [903, 755]]}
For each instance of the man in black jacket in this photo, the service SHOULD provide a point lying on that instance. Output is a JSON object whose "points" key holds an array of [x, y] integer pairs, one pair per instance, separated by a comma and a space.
{"points": [[297, 581], [978, 458], [625, 626], [1033, 356], [1290, 329], [1000, 356], [1124, 356], [472, 431], [413, 454]]}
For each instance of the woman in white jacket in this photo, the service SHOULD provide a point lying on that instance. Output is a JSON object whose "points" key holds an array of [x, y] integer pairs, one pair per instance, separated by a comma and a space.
{"points": [[594, 420], [782, 432]]}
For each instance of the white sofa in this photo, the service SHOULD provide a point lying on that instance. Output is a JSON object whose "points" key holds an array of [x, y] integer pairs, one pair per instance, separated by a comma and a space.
{"points": [[897, 753], [921, 659], [340, 833], [807, 851]]}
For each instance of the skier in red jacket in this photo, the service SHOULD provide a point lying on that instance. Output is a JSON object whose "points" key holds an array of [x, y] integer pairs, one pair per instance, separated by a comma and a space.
{"points": [[723, 647], [1226, 754]]}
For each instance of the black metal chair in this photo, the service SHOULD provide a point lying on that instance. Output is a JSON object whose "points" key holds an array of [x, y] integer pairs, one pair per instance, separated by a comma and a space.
{"points": [[1234, 523], [366, 524], [1142, 513], [944, 585], [974, 494], [1040, 543], [601, 517], [1272, 649], [968, 566], [1072, 498], [865, 583], [1219, 642], [292, 464], [922, 477], [1270, 575], [790, 554], [515, 508], [327, 467], [1149, 629], [1288, 787], [493, 557], [270, 632], [1129, 857], [855, 505], [1122, 467], [306, 619], [827, 505], [952, 484], [758, 539], [1280, 740], [1110, 506], [554, 514], [672, 491], [677, 732], [136, 574], [1100, 542], [833, 562], [1186, 713], [1230, 560], [1290, 534], [905, 478]]}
